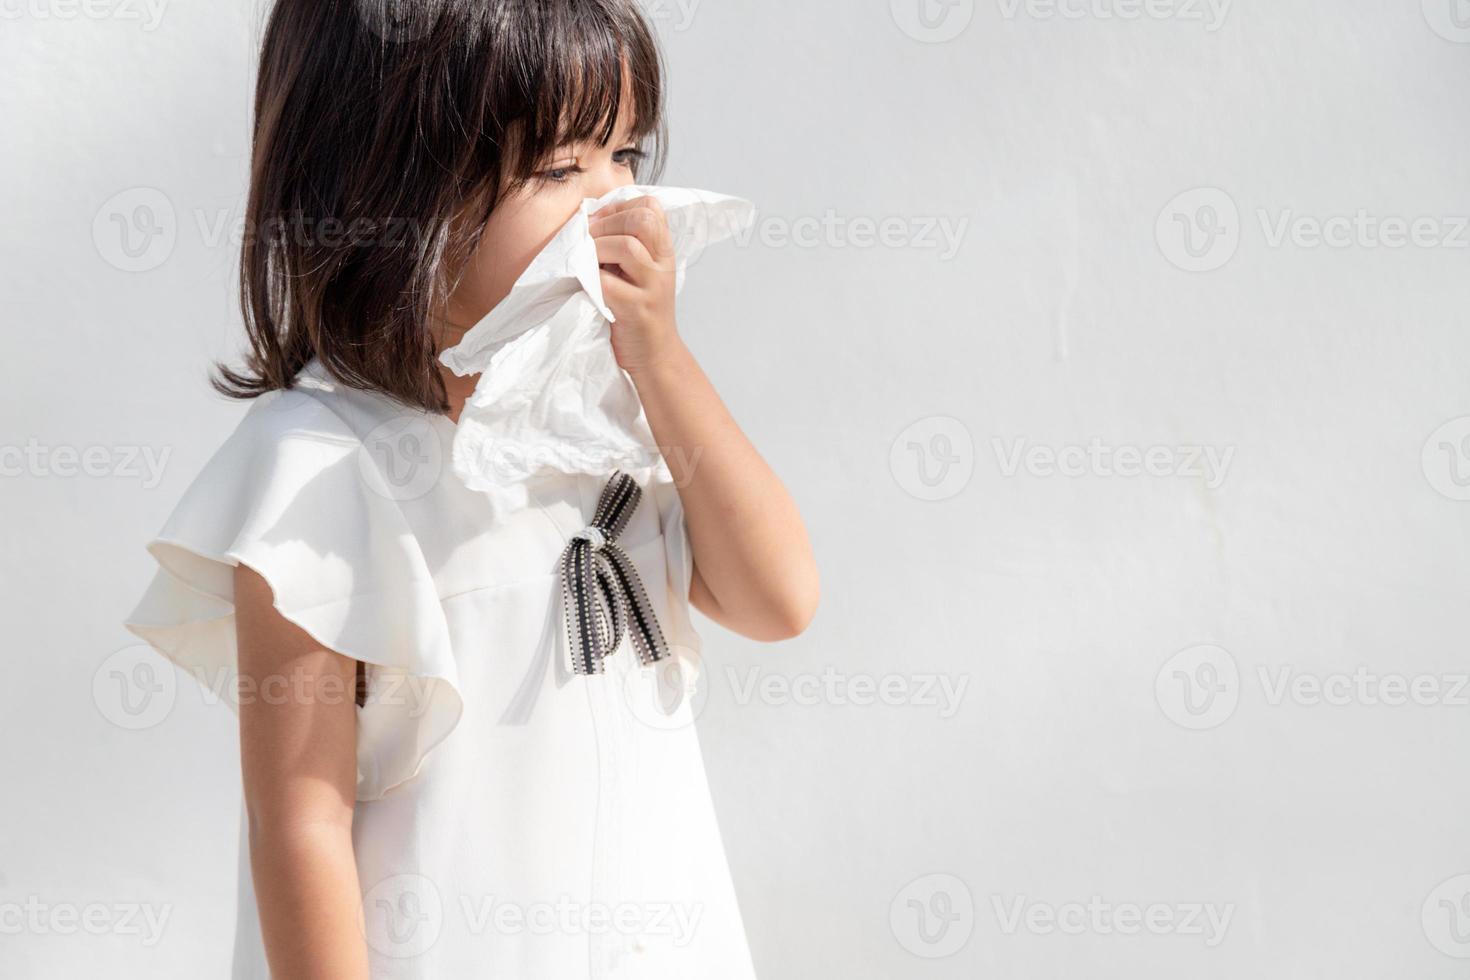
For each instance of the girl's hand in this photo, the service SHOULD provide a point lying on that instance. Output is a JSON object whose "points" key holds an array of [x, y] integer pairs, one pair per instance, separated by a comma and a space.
{"points": [[636, 251]]}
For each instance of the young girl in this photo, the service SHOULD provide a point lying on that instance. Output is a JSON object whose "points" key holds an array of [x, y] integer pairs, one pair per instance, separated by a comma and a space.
{"points": [[427, 796]]}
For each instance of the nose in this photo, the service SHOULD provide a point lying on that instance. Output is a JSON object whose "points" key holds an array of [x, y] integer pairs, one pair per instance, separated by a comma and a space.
{"points": [[605, 175]]}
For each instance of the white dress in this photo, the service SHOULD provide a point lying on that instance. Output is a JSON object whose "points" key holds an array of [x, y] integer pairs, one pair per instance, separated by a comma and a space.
{"points": [[513, 819]]}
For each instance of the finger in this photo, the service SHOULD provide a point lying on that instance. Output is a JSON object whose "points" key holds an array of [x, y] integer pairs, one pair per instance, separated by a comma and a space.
{"points": [[656, 256], [629, 256], [617, 291], [647, 225], [646, 201]]}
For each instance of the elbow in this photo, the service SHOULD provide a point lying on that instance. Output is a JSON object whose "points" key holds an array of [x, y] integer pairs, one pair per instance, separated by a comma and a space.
{"points": [[797, 613], [779, 612]]}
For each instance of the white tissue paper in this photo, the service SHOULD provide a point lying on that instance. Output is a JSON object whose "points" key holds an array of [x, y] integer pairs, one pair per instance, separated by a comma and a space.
{"points": [[551, 398]]}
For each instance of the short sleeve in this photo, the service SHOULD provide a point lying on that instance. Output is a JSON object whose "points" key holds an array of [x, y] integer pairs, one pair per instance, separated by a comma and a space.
{"points": [[292, 494]]}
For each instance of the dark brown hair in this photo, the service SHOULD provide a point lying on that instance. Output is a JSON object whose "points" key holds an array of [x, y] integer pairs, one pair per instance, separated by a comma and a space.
{"points": [[385, 133]]}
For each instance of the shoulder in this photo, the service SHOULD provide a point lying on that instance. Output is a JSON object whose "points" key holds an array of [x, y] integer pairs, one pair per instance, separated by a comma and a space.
{"points": [[320, 427], [294, 422], [286, 442], [295, 481], [315, 410]]}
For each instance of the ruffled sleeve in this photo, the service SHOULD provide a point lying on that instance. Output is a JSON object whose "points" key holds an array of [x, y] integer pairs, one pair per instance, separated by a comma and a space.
{"points": [[292, 494]]}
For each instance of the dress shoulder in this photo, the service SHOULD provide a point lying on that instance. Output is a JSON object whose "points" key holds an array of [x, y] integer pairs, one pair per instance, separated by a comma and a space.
{"points": [[293, 494]]}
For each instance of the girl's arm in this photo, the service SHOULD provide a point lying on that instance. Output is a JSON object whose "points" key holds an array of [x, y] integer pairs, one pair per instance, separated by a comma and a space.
{"points": [[754, 569], [298, 756]]}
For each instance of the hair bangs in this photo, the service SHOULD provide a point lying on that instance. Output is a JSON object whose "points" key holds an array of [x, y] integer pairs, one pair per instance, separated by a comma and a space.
{"points": [[593, 56]]}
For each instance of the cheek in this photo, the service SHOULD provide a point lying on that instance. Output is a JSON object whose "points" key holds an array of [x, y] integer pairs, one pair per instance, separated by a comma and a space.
{"points": [[515, 234], [500, 258]]}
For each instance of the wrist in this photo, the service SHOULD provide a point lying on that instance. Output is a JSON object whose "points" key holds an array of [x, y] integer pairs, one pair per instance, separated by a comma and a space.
{"points": [[672, 364]]}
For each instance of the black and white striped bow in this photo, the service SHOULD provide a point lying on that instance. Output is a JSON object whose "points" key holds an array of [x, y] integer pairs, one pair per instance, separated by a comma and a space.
{"points": [[602, 594]]}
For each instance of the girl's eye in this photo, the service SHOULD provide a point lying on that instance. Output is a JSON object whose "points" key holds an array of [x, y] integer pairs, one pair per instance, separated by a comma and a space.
{"points": [[560, 175]]}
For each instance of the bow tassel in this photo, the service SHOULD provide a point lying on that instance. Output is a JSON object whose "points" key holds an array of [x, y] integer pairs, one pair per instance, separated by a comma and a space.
{"points": [[602, 593]]}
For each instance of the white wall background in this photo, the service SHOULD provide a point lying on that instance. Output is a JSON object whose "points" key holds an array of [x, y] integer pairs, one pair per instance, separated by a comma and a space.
{"points": [[1131, 660]]}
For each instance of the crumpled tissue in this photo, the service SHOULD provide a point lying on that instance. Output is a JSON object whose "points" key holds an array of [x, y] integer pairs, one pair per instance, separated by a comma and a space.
{"points": [[551, 398]]}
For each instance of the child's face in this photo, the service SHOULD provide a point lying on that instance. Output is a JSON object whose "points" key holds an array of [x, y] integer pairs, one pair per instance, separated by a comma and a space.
{"points": [[521, 226]]}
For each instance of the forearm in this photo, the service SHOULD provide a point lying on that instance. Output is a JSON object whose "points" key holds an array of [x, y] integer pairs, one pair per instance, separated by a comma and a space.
{"points": [[307, 891], [755, 571]]}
